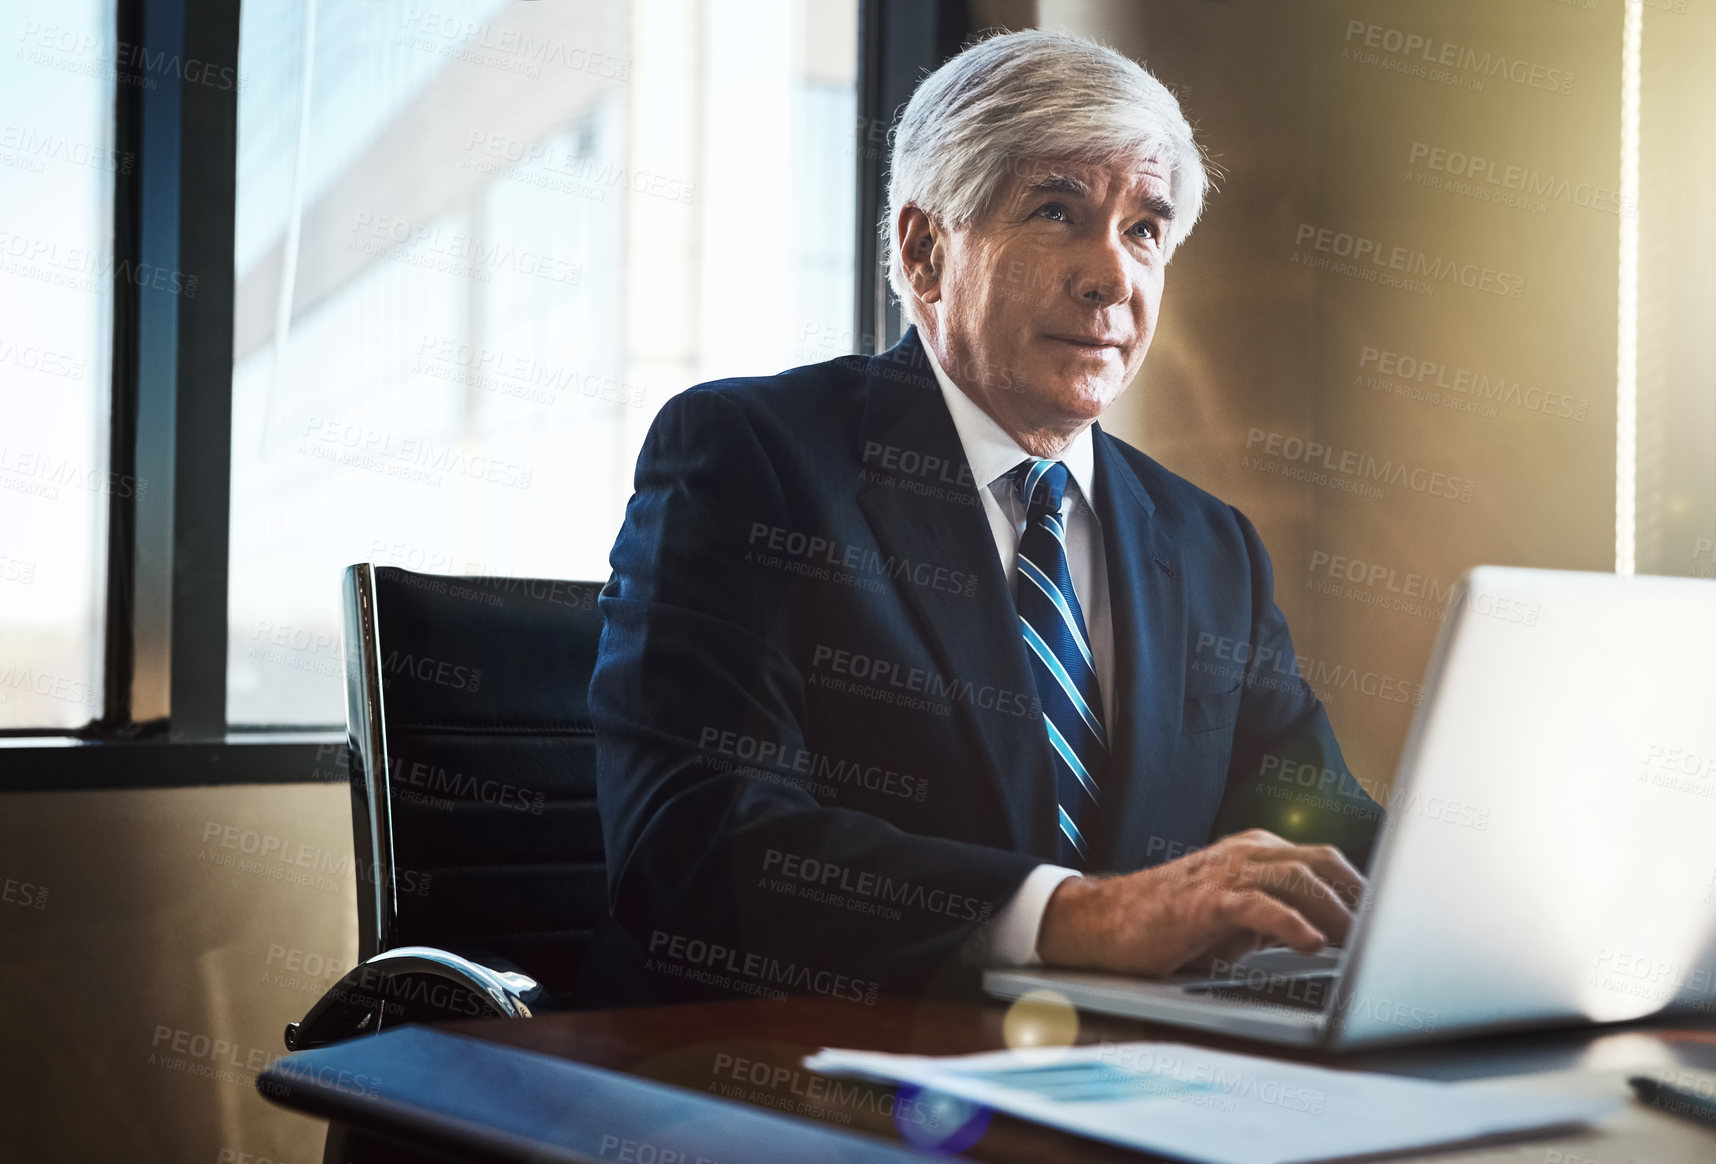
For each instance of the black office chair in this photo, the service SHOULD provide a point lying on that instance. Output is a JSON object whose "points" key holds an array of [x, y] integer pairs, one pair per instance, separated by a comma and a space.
{"points": [[478, 847]]}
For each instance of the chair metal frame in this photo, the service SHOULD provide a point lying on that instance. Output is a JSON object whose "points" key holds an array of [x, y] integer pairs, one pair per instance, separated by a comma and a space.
{"points": [[366, 742]]}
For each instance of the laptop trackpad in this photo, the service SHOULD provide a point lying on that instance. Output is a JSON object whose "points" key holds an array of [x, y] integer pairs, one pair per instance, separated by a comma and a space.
{"points": [[1281, 960], [1279, 976]]}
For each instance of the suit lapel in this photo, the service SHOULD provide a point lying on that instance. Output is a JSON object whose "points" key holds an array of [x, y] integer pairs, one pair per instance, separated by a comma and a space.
{"points": [[1147, 597], [974, 638]]}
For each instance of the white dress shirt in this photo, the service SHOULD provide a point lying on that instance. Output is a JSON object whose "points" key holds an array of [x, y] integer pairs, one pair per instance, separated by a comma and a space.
{"points": [[1010, 938]]}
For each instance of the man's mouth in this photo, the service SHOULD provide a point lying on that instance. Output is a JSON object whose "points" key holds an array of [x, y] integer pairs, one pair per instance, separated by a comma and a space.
{"points": [[1094, 343]]}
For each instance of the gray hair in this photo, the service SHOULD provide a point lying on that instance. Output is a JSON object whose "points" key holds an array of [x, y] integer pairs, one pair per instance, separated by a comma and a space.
{"points": [[1032, 94]]}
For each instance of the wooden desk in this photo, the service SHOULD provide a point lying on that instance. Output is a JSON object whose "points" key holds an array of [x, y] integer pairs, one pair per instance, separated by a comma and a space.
{"points": [[750, 1052]]}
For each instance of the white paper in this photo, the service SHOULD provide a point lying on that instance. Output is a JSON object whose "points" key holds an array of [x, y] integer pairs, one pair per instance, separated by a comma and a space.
{"points": [[1215, 1107]]}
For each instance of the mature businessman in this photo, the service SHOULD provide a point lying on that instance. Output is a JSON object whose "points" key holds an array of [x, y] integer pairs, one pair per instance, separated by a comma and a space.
{"points": [[908, 666]]}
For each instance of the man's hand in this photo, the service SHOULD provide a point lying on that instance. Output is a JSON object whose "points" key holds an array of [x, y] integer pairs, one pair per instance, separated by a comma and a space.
{"points": [[1220, 902]]}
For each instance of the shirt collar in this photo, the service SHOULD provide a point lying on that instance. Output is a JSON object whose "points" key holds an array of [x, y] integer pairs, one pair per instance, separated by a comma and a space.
{"points": [[992, 452]]}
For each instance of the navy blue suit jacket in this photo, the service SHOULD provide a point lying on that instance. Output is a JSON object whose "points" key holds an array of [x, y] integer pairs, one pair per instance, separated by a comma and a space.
{"points": [[821, 762]]}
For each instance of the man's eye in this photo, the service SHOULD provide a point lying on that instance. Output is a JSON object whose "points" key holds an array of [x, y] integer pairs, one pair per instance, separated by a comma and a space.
{"points": [[1145, 230], [1053, 211]]}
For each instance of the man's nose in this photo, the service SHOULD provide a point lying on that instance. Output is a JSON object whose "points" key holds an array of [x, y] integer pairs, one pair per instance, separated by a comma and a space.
{"points": [[1101, 276]]}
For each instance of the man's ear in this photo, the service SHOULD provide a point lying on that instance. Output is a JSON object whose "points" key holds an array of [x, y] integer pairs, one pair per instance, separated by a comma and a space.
{"points": [[920, 252]]}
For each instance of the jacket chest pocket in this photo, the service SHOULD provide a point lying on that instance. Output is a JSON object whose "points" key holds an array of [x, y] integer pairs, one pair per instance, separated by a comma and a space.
{"points": [[1210, 712]]}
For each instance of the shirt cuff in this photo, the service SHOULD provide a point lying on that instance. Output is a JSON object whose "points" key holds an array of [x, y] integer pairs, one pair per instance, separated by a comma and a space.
{"points": [[1010, 938]]}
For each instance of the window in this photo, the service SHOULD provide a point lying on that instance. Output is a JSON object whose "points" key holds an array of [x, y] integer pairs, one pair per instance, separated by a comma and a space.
{"points": [[478, 246], [57, 168]]}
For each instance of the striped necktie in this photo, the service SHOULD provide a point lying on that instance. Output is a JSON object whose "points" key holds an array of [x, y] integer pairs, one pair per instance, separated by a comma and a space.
{"points": [[1059, 647]]}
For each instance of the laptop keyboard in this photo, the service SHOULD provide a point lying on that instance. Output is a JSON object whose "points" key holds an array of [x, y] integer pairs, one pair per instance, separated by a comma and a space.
{"points": [[1310, 992]]}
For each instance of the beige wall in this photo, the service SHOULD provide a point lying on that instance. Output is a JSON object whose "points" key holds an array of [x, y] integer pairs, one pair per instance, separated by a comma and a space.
{"points": [[1265, 342], [144, 938]]}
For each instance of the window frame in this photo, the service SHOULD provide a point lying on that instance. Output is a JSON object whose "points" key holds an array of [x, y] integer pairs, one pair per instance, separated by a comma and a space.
{"points": [[163, 717]]}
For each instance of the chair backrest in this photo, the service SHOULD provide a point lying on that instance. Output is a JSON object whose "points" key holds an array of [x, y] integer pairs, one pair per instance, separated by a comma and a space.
{"points": [[473, 767]]}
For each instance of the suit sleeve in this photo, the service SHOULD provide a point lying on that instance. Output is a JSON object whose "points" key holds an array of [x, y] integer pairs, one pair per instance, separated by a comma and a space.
{"points": [[1287, 773], [698, 700]]}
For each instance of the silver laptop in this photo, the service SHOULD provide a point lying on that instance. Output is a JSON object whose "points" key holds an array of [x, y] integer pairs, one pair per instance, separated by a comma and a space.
{"points": [[1549, 854]]}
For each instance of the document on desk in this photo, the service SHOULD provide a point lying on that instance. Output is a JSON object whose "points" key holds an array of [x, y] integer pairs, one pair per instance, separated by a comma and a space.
{"points": [[1219, 1108]]}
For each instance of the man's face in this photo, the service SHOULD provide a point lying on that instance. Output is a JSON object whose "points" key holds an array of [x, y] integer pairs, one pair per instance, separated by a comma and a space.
{"points": [[1048, 304]]}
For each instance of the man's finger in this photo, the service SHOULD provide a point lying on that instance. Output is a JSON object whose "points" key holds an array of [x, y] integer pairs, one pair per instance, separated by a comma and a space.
{"points": [[1252, 909], [1330, 865], [1297, 884]]}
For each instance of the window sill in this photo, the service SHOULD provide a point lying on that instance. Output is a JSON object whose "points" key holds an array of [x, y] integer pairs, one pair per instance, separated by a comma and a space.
{"points": [[49, 763]]}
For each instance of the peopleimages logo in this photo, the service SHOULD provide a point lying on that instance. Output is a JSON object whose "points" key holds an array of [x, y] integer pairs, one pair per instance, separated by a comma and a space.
{"points": [[1357, 466], [1409, 263], [1379, 584], [35, 358], [75, 51], [864, 674], [738, 968], [832, 877], [416, 459], [1438, 60], [454, 252], [1394, 371], [815, 766], [440, 672], [516, 373], [1311, 785], [500, 45], [24, 894], [735, 1076], [1525, 181], [85, 268], [541, 163], [1274, 669], [35, 148], [815, 556]]}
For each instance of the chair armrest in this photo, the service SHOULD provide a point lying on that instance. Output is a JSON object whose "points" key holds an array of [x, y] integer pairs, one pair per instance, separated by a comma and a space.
{"points": [[379, 990]]}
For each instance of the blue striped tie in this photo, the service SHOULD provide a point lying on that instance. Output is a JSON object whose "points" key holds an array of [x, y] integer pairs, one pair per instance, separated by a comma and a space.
{"points": [[1059, 647]]}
